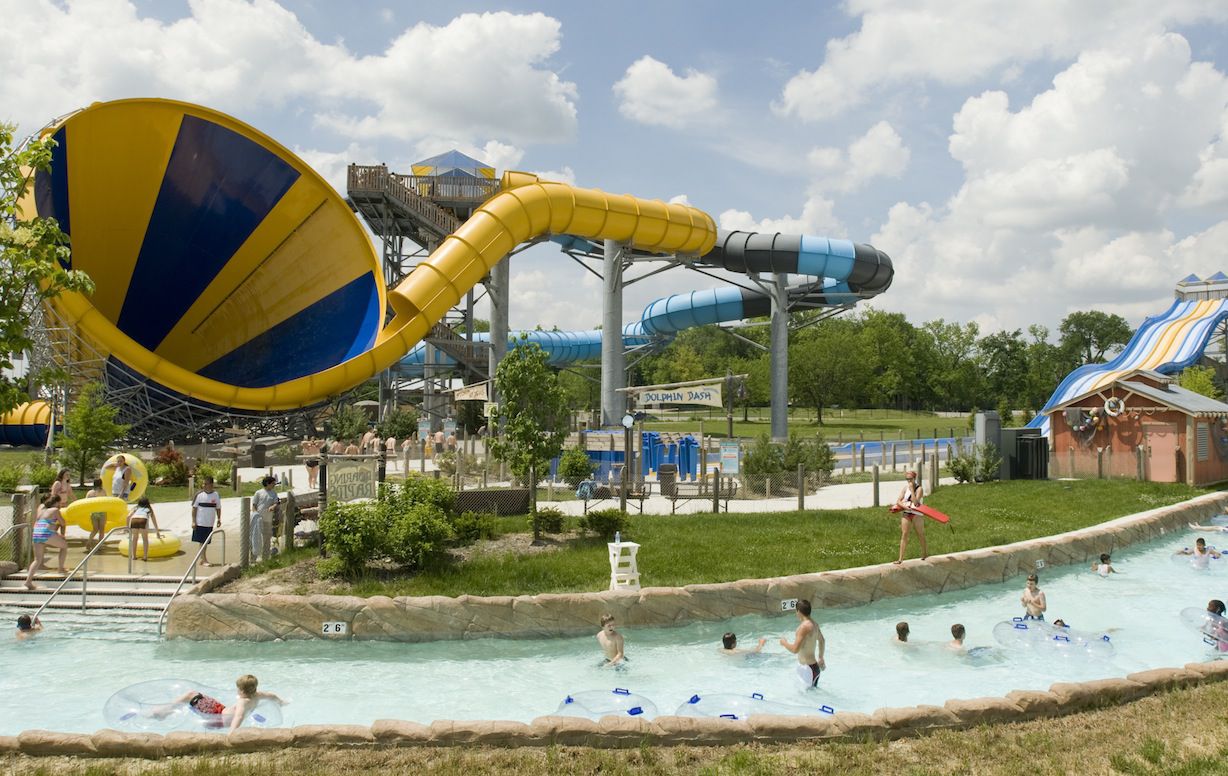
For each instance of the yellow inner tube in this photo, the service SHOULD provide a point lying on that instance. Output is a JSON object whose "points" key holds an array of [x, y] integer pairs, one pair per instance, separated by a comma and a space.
{"points": [[140, 475], [78, 512], [158, 548]]}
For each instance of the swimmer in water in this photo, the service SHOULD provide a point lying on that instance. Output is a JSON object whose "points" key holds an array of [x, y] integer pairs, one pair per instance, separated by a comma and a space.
{"points": [[216, 713], [611, 642], [805, 639], [956, 644], [1105, 566], [729, 646], [28, 628], [1033, 600], [1201, 554], [1209, 528], [901, 633]]}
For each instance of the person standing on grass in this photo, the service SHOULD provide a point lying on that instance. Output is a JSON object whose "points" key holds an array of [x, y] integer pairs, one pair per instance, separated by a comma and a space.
{"points": [[910, 496], [206, 516], [263, 504], [805, 640]]}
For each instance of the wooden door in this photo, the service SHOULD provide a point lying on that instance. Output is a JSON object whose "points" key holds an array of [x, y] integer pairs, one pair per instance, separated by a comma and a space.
{"points": [[1161, 441]]}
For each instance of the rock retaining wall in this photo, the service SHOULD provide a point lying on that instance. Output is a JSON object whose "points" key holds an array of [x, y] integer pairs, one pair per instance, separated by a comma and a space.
{"points": [[254, 617], [618, 732]]}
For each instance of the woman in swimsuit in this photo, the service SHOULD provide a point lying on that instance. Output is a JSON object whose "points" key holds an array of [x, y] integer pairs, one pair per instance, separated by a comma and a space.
{"points": [[910, 497], [48, 530], [62, 488], [138, 526]]}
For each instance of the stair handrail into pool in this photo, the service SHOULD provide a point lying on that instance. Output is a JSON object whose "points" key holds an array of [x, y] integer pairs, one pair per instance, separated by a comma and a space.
{"points": [[191, 572], [13, 529], [84, 565]]}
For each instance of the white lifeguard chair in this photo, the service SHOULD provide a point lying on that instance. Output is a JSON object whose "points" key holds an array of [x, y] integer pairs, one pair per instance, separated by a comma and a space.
{"points": [[624, 574]]}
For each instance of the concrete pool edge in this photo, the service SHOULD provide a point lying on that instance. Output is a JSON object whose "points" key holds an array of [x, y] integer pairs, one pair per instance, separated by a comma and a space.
{"points": [[1061, 699], [269, 617]]}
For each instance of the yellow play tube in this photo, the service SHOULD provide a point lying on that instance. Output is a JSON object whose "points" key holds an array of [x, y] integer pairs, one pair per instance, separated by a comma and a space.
{"points": [[168, 545], [78, 512], [140, 475], [131, 143]]}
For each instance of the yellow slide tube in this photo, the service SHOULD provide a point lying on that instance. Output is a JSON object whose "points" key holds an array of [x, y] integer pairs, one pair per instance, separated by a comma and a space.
{"points": [[526, 207]]}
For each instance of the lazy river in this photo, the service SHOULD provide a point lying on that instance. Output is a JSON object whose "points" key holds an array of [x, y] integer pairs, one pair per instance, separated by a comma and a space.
{"points": [[62, 679]]}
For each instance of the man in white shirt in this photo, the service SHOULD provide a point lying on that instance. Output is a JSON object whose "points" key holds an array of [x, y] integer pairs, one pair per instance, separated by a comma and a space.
{"points": [[206, 516]]}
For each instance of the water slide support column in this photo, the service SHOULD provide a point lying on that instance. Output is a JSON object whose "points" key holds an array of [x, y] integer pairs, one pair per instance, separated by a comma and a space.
{"points": [[499, 287], [780, 358], [613, 370]]}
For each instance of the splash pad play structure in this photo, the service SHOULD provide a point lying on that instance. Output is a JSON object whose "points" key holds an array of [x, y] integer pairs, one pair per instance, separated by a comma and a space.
{"points": [[233, 281]]}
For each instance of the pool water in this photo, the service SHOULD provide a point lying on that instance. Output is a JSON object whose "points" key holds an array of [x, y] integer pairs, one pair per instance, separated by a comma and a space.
{"points": [[61, 680]]}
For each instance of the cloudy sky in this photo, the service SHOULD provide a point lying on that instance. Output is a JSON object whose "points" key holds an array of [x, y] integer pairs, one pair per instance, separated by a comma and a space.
{"points": [[1018, 161]]}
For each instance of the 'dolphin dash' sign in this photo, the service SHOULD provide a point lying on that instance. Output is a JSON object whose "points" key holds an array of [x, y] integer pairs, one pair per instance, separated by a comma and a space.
{"points": [[350, 479], [708, 395]]}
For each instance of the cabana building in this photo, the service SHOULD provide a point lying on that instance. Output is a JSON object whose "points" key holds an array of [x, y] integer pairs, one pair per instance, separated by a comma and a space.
{"points": [[1143, 426]]}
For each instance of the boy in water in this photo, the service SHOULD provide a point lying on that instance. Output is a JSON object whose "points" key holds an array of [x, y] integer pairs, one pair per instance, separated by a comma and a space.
{"points": [[1033, 600], [28, 628], [957, 638], [729, 645], [805, 639], [611, 642], [216, 713], [1105, 566], [901, 633], [1201, 553]]}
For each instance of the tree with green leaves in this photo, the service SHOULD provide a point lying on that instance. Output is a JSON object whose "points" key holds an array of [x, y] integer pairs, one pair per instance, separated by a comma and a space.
{"points": [[1087, 335], [534, 414], [1200, 379], [398, 423], [348, 423], [33, 257], [828, 365], [89, 430]]}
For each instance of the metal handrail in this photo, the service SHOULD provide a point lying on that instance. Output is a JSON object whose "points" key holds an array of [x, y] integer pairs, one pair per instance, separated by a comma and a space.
{"points": [[12, 528], [191, 572], [84, 582]]}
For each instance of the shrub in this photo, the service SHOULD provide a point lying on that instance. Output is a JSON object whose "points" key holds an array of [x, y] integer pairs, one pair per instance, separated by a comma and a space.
{"points": [[10, 477], [1006, 415], [446, 462], [159, 473], [418, 536], [812, 454], [218, 470], [41, 474], [980, 463], [547, 520], [575, 466], [174, 469], [471, 526], [399, 423], [284, 454], [353, 534], [763, 457], [420, 490], [604, 522]]}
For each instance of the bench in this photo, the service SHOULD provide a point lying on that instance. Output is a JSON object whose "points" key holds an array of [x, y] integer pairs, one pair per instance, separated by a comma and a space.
{"points": [[593, 491], [701, 491]]}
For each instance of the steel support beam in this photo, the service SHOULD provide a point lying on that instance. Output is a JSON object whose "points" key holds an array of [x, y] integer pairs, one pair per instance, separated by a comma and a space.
{"points": [[613, 374], [780, 358]]}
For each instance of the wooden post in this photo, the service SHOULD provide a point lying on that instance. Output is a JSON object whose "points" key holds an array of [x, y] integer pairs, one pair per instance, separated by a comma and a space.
{"points": [[1100, 463], [234, 475], [322, 498], [421, 457], [381, 468], [245, 532], [801, 487], [863, 458], [289, 508], [716, 490], [875, 481], [20, 542]]}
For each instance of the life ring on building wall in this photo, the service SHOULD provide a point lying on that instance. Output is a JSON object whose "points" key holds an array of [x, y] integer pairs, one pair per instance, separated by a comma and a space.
{"points": [[1114, 406]]}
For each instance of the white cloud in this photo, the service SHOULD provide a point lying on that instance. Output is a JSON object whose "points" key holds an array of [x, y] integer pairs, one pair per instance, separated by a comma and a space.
{"points": [[953, 42], [651, 93], [817, 217], [478, 77], [880, 152], [331, 165], [1068, 202]]}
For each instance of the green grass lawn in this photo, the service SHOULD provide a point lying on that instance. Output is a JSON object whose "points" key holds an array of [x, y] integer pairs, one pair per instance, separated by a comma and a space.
{"points": [[870, 425], [690, 549]]}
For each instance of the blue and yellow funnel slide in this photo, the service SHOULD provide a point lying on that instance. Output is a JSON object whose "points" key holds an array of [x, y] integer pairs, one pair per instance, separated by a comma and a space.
{"points": [[229, 272]]}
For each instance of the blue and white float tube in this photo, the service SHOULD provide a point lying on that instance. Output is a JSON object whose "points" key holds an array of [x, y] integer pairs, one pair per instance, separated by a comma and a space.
{"points": [[1213, 627], [1044, 638], [726, 705], [595, 704], [149, 707]]}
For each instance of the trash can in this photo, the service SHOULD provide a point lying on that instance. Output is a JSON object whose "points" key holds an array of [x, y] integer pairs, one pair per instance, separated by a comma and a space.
{"points": [[258, 454], [667, 475]]}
